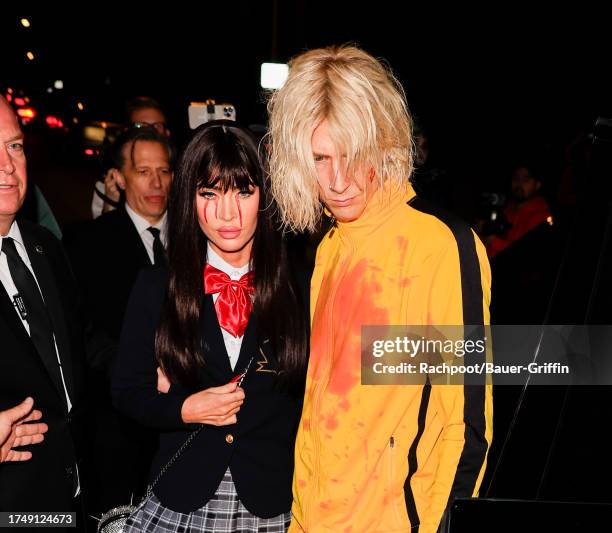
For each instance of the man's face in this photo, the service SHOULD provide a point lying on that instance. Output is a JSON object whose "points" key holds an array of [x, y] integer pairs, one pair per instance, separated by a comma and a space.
{"points": [[13, 177], [345, 196], [524, 185], [151, 117], [147, 179]]}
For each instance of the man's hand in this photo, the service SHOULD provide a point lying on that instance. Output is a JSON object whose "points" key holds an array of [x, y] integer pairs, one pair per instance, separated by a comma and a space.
{"points": [[113, 183], [14, 432], [163, 383], [216, 406]]}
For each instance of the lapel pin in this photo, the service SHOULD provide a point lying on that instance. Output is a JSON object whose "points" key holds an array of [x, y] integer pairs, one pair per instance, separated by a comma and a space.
{"points": [[38, 248]]}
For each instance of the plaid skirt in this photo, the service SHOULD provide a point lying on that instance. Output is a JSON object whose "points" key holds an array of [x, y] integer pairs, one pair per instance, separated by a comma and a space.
{"points": [[224, 513]]}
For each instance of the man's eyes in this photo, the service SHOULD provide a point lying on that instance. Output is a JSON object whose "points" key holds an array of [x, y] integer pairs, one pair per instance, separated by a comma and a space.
{"points": [[16, 147]]}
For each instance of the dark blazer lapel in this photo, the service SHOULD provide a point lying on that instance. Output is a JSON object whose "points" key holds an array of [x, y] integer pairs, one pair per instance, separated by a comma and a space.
{"points": [[249, 347], [215, 354], [57, 313], [133, 238], [9, 315]]}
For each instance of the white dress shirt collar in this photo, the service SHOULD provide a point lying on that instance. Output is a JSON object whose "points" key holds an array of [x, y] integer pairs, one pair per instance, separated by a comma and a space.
{"points": [[143, 225], [15, 234]]}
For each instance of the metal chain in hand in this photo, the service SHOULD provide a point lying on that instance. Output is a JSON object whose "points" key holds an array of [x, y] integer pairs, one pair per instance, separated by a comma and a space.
{"points": [[188, 441], [115, 520]]}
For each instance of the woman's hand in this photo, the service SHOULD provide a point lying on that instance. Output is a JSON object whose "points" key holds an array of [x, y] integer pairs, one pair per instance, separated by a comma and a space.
{"points": [[163, 383], [216, 406]]}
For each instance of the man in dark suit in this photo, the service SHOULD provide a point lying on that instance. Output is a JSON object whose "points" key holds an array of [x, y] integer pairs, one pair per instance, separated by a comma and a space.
{"points": [[107, 255], [43, 343], [140, 112]]}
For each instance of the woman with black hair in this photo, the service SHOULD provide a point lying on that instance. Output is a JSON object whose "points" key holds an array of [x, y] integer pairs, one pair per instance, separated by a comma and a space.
{"points": [[227, 306]]}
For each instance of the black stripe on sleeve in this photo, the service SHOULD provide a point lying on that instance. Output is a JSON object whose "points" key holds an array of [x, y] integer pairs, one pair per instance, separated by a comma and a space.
{"points": [[475, 447]]}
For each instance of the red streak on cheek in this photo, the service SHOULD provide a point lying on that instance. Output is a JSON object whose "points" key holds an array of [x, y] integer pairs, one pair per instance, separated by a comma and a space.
{"points": [[239, 209], [206, 210], [216, 207]]}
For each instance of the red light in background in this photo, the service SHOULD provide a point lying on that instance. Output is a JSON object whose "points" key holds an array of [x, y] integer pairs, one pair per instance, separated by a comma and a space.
{"points": [[54, 122], [26, 113], [89, 151], [9, 97], [19, 101]]}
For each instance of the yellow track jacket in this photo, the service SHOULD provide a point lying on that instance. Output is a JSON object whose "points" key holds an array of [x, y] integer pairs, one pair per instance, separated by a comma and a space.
{"points": [[374, 458]]}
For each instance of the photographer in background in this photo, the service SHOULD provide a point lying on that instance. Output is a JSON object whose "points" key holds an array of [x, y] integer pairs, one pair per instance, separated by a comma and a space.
{"points": [[525, 211], [523, 246]]}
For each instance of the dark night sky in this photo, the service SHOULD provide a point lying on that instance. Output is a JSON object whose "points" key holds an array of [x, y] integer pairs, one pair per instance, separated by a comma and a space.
{"points": [[483, 82]]}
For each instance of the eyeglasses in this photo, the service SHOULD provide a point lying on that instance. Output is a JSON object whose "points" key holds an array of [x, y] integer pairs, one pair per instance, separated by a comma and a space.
{"points": [[159, 126]]}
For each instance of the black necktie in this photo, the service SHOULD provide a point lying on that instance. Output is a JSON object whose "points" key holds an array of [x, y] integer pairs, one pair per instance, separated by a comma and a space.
{"points": [[41, 330], [159, 252]]}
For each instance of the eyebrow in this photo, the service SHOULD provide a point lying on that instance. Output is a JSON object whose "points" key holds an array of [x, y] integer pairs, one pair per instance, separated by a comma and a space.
{"points": [[18, 137]]}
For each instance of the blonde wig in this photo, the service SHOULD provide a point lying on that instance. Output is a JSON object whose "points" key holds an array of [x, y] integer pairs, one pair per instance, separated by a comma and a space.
{"points": [[368, 119]]}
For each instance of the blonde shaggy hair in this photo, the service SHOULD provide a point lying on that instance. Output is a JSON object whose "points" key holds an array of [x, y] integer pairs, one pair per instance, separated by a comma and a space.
{"points": [[365, 107]]}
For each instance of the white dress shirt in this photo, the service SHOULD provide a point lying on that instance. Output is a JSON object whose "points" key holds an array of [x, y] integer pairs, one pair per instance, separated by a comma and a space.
{"points": [[146, 236], [232, 344], [11, 290]]}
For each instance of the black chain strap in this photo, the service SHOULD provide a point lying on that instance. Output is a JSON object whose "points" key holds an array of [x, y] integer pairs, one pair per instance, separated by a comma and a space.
{"points": [[186, 444], [173, 459]]}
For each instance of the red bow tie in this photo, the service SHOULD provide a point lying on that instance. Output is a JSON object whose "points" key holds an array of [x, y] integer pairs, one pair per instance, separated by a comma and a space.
{"points": [[234, 303]]}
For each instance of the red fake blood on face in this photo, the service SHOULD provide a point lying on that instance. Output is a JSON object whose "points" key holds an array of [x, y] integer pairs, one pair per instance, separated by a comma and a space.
{"points": [[239, 209], [354, 306], [206, 210], [216, 207]]}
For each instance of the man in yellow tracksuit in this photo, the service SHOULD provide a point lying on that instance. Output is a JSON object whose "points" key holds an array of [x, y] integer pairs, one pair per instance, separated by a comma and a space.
{"points": [[374, 458]]}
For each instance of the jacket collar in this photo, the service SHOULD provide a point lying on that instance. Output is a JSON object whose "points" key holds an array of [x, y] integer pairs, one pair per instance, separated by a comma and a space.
{"points": [[381, 207]]}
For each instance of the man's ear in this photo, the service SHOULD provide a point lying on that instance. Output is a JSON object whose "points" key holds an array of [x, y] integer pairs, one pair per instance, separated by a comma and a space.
{"points": [[119, 178]]}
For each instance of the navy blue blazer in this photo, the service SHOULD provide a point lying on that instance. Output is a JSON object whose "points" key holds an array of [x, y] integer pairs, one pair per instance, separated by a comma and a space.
{"points": [[258, 448]]}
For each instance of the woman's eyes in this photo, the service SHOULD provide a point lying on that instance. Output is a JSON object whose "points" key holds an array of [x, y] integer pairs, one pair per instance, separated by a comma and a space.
{"points": [[208, 195]]}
